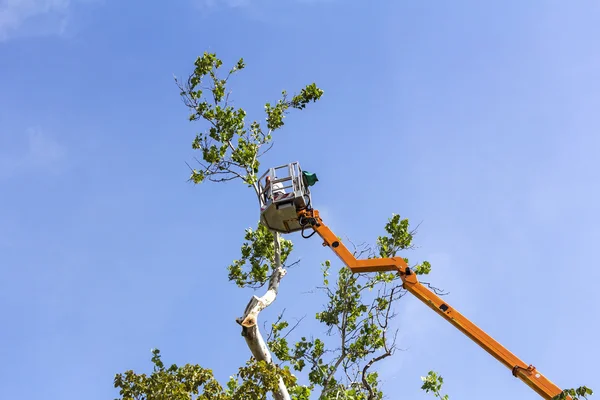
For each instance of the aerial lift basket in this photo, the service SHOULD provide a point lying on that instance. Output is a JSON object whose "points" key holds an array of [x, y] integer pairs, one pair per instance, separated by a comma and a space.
{"points": [[283, 191]]}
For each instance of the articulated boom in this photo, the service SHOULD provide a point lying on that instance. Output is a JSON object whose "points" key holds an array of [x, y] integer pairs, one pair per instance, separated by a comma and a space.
{"points": [[527, 373]]}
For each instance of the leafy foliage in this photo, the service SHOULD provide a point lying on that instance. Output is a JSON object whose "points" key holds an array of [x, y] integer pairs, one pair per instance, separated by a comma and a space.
{"points": [[580, 393], [194, 382], [399, 237], [338, 366], [433, 383], [230, 149], [257, 258]]}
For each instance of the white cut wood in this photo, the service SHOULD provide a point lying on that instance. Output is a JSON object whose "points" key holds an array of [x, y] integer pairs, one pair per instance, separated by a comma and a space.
{"points": [[250, 330]]}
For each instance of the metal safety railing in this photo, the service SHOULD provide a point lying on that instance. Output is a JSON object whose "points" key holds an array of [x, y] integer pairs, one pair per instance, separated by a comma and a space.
{"points": [[289, 176]]}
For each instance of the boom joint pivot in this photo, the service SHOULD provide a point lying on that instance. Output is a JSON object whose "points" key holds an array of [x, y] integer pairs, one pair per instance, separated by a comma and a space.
{"points": [[529, 370]]}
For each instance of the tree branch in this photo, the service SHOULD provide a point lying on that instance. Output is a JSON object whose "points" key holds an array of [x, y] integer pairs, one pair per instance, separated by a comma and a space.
{"points": [[248, 321], [389, 350], [257, 304]]}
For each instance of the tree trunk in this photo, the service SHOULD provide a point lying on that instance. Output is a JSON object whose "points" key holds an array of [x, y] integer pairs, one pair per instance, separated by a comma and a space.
{"points": [[249, 320]]}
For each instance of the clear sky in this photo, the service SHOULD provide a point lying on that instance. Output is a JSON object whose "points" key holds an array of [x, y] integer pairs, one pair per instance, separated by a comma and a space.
{"points": [[478, 120]]}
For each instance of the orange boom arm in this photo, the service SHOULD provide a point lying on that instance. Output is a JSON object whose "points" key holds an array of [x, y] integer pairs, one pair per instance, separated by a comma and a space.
{"points": [[527, 373]]}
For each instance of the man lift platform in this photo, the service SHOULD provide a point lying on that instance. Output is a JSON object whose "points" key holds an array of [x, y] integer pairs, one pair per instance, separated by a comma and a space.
{"points": [[286, 207]]}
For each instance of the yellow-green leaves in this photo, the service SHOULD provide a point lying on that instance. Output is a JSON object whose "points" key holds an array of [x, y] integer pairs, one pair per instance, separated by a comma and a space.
{"points": [[240, 65], [423, 269], [258, 258], [580, 393], [230, 149], [276, 113], [399, 238], [174, 383], [252, 382], [433, 383], [309, 93], [197, 176]]}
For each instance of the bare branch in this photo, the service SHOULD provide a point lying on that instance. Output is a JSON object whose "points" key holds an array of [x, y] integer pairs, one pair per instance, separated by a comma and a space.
{"points": [[265, 151], [437, 291], [293, 327], [292, 264], [389, 349]]}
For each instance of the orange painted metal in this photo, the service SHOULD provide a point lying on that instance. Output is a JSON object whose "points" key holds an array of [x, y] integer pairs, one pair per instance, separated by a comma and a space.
{"points": [[527, 373]]}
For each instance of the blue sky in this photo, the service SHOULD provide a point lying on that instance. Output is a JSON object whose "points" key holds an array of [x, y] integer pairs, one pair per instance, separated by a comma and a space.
{"points": [[480, 120]]}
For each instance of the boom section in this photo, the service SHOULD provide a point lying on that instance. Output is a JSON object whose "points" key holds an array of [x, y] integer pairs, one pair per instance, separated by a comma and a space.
{"points": [[526, 373]]}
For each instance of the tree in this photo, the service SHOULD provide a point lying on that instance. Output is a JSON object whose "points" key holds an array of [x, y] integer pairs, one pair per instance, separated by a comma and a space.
{"points": [[358, 309]]}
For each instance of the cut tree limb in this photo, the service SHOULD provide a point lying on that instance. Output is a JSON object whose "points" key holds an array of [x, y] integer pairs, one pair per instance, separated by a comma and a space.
{"points": [[257, 304], [248, 321]]}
